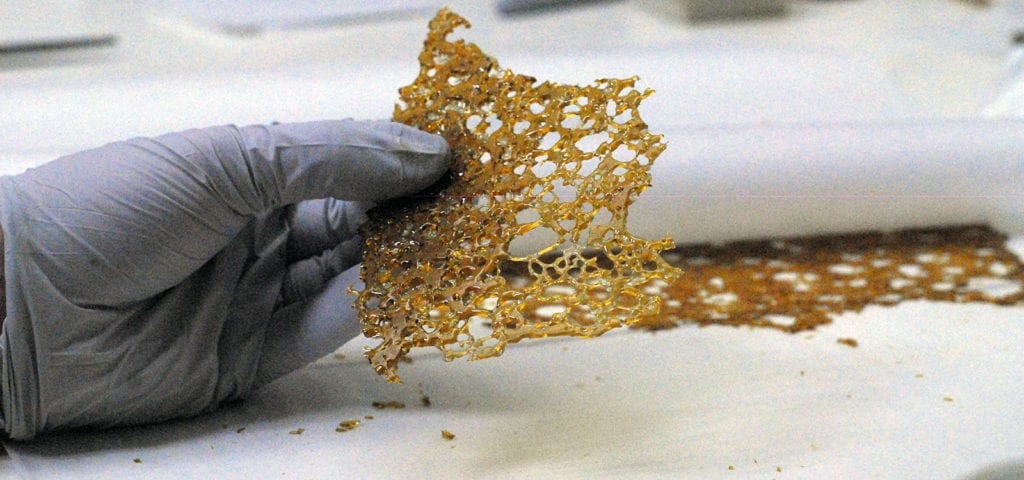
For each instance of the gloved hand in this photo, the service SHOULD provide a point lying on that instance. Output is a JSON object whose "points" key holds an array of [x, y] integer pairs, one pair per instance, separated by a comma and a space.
{"points": [[155, 278]]}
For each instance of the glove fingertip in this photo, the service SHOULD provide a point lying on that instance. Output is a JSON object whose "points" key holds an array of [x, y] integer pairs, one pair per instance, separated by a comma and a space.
{"points": [[416, 140]]}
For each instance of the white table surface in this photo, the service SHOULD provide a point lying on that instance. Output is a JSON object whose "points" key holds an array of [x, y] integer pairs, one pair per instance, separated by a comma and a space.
{"points": [[932, 391], [727, 397]]}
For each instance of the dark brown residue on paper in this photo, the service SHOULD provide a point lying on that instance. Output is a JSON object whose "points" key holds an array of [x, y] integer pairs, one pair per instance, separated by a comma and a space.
{"points": [[797, 284]]}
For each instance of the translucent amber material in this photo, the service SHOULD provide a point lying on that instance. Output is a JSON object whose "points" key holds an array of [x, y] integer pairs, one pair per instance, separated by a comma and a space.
{"points": [[540, 161]]}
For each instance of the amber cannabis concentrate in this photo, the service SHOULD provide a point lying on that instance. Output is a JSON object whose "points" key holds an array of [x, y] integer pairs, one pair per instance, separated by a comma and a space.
{"points": [[533, 161]]}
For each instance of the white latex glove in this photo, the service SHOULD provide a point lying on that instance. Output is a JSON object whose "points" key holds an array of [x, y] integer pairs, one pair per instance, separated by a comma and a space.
{"points": [[156, 278]]}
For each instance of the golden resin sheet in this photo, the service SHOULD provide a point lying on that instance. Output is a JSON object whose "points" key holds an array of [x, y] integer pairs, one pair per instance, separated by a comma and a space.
{"points": [[560, 165], [433, 270]]}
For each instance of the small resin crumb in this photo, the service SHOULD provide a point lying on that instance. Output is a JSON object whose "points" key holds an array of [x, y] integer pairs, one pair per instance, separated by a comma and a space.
{"points": [[297, 431], [732, 467], [850, 342], [919, 375], [137, 460], [445, 434], [339, 356], [368, 417], [346, 425], [389, 404], [778, 469], [947, 399]]}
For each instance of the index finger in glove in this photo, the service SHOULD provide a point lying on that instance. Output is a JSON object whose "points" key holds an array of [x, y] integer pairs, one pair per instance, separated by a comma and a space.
{"points": [[257, 168]]}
